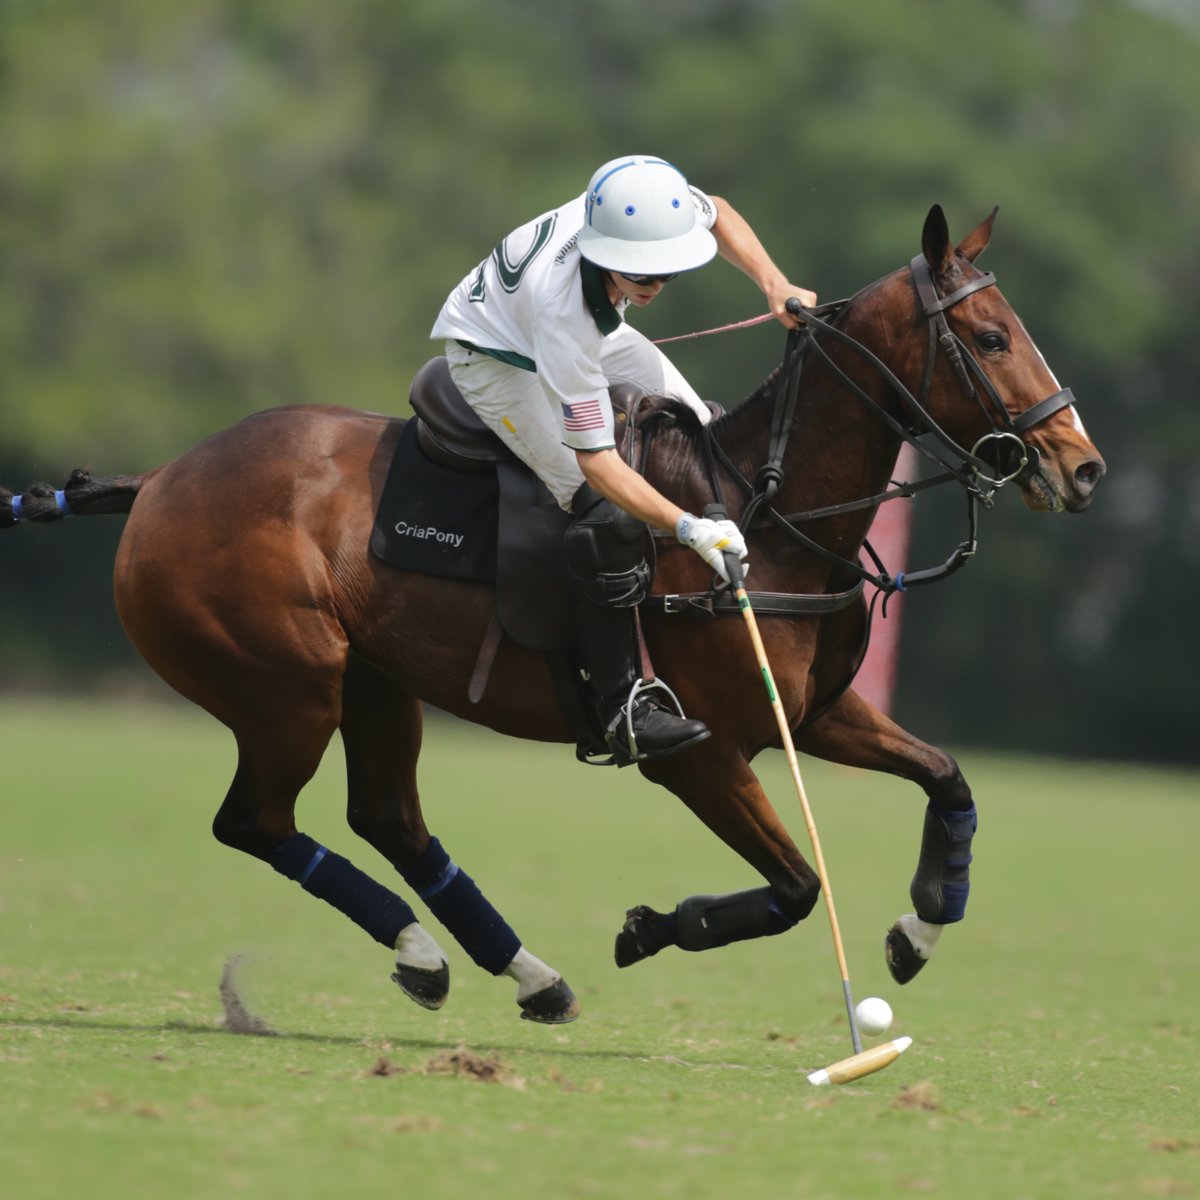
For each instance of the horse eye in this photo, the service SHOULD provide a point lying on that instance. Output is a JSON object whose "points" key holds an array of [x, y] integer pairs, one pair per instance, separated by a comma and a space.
{"points": [[992, 341]]}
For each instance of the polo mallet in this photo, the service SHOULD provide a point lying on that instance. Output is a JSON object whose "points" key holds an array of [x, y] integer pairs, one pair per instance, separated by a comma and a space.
{"points": [[862, 1062]]}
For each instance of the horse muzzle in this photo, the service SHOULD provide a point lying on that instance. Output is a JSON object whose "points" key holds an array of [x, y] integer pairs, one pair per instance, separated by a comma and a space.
{"points": [[1048, 485], [1057, 486]]}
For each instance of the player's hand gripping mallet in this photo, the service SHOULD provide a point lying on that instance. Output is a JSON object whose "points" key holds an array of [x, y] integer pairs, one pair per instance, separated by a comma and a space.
{"points": [[862, 1062]]}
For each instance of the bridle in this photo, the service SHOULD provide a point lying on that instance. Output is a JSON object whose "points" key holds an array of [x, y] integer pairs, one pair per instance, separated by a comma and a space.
{"points": [[1002, 449], [997, 458]]}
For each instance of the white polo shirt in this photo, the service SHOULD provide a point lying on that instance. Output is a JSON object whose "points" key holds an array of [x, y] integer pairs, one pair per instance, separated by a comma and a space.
{"points": [[537, 304]]}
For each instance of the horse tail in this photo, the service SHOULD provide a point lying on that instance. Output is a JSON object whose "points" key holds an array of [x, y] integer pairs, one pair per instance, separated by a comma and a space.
{"points": [[80, 496]]}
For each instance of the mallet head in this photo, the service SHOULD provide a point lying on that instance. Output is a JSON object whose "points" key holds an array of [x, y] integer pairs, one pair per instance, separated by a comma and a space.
{"points": [[858, 1065]]}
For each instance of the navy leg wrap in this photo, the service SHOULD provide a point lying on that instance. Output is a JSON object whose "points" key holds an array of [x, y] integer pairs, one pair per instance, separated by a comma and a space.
{"points": [[464, 910], [339, 882], [705, 922], [942, 883]]}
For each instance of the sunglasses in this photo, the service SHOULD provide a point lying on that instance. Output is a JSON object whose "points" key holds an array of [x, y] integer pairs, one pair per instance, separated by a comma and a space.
{"points": [[643, 280]]}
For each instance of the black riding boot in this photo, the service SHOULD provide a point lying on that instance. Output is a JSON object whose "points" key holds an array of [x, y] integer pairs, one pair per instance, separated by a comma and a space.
{"points": [[640, 720], [604, 554]]}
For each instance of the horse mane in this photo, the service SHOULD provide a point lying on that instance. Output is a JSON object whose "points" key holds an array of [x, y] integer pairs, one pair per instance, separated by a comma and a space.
{"points": [[835, 313], [743, 424], [760, 395]]}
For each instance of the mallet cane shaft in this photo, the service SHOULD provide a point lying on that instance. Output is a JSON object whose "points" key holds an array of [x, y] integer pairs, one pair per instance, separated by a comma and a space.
{"points": [[735, 575]]}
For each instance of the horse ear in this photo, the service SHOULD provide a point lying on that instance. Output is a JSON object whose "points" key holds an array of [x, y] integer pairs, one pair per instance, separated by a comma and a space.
{"points": [[935, 241], [975, 243]]}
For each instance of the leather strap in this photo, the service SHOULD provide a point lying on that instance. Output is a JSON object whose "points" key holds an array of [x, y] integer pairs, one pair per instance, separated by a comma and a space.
{"points": [[1043, 409], [487, 656], [766, 604], [646, 667]]}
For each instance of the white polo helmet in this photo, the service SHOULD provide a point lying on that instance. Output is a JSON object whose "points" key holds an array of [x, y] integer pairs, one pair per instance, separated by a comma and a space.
{"points": [[641, 220]]}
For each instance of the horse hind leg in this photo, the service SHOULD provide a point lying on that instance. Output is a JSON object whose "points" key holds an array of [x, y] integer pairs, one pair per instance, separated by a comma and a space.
{"points": [[270, 669], [257, 817], [489, 941], [381, 732]]}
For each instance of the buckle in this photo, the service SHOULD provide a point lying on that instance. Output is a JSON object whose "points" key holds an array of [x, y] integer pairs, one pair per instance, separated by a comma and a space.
{"points": [[696, 606]]}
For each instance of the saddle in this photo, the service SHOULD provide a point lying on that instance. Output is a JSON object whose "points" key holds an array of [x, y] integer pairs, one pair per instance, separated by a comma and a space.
{"points": [[459, 504], [450, 433], [466, 465]]}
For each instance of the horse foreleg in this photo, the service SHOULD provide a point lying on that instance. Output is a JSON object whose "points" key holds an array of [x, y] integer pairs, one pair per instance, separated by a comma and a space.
{"points": [[717, 784], [855, 733], [381, 732]]}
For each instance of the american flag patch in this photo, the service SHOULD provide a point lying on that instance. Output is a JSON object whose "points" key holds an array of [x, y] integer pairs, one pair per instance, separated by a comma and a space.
{"points": [[584, 414]]}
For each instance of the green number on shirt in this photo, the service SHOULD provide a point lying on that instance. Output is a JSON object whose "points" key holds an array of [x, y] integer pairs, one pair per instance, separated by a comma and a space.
{"points": [[508, 272]]}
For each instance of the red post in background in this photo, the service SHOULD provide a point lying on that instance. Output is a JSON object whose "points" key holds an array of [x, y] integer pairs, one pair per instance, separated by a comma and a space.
{"points": [[890, 534]]}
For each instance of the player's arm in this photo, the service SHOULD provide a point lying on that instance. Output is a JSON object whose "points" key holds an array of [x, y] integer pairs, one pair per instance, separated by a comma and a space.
{"points": [[738, 244], [615, 480]]}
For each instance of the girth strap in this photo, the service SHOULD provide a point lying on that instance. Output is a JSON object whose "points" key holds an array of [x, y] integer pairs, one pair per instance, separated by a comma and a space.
{"points": [[768, 604]]}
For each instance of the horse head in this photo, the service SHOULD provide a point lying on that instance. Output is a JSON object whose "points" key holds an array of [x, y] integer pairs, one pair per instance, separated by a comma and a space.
{"points": [[997, 395]]}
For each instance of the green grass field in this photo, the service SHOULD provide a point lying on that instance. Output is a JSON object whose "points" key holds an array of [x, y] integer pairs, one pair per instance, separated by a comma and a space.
{"points": [[1057, 1031]]}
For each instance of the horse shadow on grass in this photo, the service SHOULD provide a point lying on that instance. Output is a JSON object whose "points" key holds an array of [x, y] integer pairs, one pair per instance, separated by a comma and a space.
{"points": [[200, 1028]]}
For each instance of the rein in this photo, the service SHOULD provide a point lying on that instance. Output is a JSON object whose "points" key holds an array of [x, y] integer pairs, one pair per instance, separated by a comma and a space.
{"points": [[749, 323]]}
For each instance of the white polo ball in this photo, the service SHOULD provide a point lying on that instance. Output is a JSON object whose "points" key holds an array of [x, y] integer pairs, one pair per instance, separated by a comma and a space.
{"points": [[874, 1015]]}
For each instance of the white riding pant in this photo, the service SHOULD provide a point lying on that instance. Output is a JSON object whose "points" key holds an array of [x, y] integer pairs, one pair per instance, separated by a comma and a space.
{"points": [[515, 406]]}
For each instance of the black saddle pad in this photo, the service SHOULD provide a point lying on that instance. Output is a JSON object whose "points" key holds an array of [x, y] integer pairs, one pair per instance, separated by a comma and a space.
{"points": [[499, 526], [435, 520]]}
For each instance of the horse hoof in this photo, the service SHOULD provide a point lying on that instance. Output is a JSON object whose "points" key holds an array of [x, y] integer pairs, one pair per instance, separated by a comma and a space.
{"points": [[642, 936], [429, 988], [902, 959], [553, 1005]]}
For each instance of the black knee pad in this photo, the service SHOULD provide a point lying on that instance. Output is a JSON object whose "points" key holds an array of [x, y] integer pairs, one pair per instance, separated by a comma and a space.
{"points": [[605, 555]]}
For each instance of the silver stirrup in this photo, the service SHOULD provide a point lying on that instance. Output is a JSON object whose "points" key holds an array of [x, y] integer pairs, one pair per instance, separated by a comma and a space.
{"points": [[626, 710]]}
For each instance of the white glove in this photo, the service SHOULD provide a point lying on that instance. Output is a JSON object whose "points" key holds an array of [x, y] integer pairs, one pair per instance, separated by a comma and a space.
{"points": [[712, 540]]}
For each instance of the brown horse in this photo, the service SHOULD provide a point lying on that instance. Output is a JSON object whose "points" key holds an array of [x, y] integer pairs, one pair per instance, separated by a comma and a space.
{"points": [[245, 581]]}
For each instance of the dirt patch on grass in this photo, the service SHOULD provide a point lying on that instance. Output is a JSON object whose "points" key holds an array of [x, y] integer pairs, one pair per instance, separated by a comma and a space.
{"points": [[923, 1095], [384, 1067], [466, 1064], [461, 1062]]}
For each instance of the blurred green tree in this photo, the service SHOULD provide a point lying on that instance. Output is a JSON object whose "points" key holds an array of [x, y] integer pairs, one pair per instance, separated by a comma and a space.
{"points": [[211, 208]]}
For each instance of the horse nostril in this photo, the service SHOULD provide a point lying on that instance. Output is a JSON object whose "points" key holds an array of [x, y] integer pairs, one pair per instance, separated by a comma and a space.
{"points": [[1088, 476]]}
